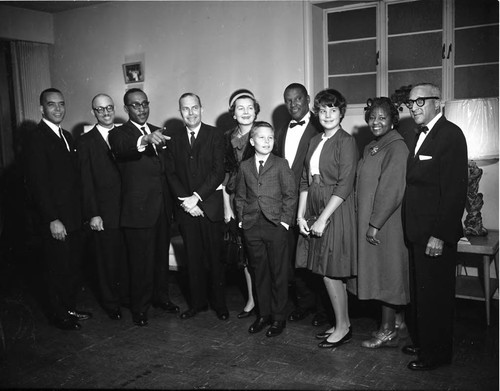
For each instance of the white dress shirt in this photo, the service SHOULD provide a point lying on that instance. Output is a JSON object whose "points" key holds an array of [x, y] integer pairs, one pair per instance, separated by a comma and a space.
{"points": [[423, 135], [55, 128], [293, 136]]}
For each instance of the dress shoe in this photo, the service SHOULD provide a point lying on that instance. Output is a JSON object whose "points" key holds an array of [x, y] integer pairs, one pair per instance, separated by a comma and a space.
{"points": [[140, 319], [167, 306], [223, 315], [245, 314], [420, 365], [401, 328], [276, 328], [115, 314], [259, 324], [79, 315], [384, 338], [299, 314], [411, 350], [66, 324], [329, 345], [319, 319], [323, 335]]}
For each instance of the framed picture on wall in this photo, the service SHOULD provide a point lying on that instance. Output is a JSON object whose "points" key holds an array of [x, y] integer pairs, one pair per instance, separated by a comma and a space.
{"points": [[133, 72]]}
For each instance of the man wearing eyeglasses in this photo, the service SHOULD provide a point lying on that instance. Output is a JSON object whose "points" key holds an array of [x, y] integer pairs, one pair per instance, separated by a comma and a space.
{"points": [[436, 188], [146, 206], [101, 188], [195, 172], [53, 185]]}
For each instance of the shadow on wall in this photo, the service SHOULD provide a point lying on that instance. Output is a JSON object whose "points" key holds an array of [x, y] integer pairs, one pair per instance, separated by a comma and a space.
{"points": [[280, 117]]}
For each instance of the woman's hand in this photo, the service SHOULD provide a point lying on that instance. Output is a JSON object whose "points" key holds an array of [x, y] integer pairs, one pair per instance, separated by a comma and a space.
{"points": [[371, 236], [318, 227], [303, 228]]}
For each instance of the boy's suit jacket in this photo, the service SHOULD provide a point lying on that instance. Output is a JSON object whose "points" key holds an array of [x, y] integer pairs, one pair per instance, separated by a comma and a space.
{"points": [[143, 178], [273, 193], [199, 169], [101, 184], [52, 178], [437, 185]]}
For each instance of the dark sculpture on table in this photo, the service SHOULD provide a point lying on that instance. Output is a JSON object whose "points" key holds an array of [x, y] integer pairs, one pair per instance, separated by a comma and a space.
{"points": [[474, 221]]}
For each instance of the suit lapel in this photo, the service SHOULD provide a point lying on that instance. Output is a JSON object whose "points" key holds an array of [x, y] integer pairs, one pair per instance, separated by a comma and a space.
{"points": [[267, 165]]}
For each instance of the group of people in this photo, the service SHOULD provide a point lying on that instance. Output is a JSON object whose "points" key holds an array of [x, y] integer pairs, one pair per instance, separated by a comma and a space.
{"points": [[384, 226]]}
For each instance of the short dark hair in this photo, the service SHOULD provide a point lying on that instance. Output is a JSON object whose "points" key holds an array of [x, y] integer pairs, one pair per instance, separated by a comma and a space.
{"points": [[242, 93], [129, 92], [388, 106], [296, 86], [330, 97], [47, 91], [189, 94]]}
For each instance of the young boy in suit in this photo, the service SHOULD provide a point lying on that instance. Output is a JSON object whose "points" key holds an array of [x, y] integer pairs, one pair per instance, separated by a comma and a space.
{"points": [[266, 198]]}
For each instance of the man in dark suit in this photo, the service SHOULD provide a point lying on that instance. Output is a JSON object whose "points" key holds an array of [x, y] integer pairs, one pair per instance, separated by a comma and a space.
{"points": [[101, 188], [436, 188], [146, 206], [195, 170], [53, 185], [292, 141]]}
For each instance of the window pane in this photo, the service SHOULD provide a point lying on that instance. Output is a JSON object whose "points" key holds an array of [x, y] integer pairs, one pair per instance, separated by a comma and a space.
{"points": [[400, 79], [473, 13], [476, 45], [356, 89], [353, 24], [352, 57], [415, 51], [476, 82], [409, 17]]}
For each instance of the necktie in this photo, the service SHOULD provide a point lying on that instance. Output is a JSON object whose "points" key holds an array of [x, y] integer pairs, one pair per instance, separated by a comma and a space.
{"points": [[143, 129], [191, 139], [261, 166], [293, 124], [423, 129], [63, 139]]}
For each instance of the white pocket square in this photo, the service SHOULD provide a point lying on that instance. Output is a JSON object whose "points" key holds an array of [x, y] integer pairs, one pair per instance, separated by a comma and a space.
{"points": [[424, 157]]}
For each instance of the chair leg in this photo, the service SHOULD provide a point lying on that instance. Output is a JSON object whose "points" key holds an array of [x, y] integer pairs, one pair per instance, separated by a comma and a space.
{"points": [[486, 275]]}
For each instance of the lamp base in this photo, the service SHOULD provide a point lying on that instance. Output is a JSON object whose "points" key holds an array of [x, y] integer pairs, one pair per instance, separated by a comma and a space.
{"points": [[474, 221]]}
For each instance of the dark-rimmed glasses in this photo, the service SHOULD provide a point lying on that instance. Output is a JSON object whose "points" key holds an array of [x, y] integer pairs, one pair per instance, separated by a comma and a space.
{"points": [[136, 105], [102, 109], [420, 101]]}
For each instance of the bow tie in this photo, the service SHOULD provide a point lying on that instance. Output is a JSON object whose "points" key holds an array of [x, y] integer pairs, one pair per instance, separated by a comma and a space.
{"points": [[293, 124], [423, 129]]}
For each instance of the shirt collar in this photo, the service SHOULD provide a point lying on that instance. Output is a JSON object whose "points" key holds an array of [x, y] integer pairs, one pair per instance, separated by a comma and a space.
{"points": [[433, 121], [264, 158], [305, 118], [195, 130], [53, 126], [145, 125]]}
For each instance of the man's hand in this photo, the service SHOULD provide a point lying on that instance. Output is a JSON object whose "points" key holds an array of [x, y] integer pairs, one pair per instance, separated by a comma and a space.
{"points": [[58, 230], [157, 138], [371, 236], [434, 247], [196, 211], [188, 203], [96, 223]]}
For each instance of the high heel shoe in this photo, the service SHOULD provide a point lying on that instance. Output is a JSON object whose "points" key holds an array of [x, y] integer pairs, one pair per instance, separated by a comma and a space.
{"points": [[329, 345], [245, 314]]}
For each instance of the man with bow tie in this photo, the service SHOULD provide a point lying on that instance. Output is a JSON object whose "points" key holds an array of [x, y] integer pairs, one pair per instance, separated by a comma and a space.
{"points": [[146, 206], [101, 186], [436, 189], [292, 141], [53, 185]]}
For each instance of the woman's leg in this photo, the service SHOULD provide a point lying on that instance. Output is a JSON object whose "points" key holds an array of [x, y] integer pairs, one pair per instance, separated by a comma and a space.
{"points": [[250, 302], [338, 296], [388, 318]]}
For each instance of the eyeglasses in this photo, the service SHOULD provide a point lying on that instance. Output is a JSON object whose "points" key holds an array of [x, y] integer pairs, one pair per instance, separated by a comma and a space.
{"points": [[102, 109], [136, 105], [420, 101]]}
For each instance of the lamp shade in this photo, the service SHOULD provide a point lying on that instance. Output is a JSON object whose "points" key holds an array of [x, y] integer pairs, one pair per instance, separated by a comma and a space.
{"points": [[478, 119]]}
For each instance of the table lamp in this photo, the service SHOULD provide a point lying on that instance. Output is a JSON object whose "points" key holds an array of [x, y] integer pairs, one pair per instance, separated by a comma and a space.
{"points": [[478, 119]]}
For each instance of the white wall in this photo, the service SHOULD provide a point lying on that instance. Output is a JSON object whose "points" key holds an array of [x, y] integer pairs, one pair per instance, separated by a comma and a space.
{"points": [[211, 48], [25, 25]]}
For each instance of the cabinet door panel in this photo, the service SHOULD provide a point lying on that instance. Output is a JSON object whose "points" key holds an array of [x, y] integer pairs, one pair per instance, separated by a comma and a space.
{"points": [[399, 79], [415, 51], [476, 81], [476, 45], [353, 24], [356, 89], [407, 17], [473, 13], [352, 57]]}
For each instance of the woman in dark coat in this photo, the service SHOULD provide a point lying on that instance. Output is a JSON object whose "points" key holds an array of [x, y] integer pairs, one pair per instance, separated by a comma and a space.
{"points": [[382, 254], [326, 211]]}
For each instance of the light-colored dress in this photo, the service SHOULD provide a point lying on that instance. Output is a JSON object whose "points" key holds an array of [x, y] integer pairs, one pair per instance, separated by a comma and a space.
{"points": [[334, 253], [380, 186]]}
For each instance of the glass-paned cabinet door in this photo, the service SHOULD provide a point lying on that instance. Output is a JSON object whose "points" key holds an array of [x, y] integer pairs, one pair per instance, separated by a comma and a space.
{"points": [[476, 49], [414, 43], [352, 52]]}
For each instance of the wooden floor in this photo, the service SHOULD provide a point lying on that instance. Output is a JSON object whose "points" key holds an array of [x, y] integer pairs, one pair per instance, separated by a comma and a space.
{"points": [[206, 353]]}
